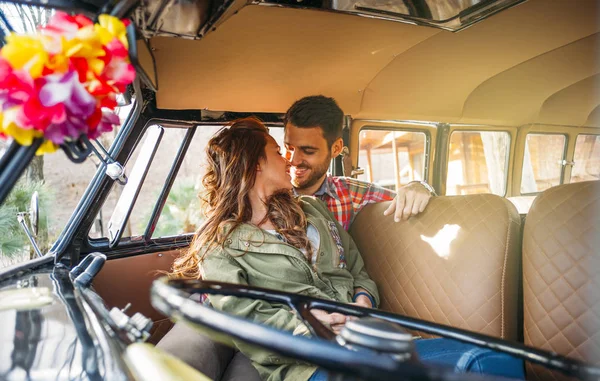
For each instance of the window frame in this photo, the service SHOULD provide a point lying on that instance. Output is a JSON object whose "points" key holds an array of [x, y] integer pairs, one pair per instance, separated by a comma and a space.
{"points": [[475, 128], [426, 148], [563, 166], [574, 151], [103, 243]]}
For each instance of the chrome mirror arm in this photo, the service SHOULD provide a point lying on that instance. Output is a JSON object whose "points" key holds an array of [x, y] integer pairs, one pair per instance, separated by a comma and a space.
{"points": [[21, 218]]}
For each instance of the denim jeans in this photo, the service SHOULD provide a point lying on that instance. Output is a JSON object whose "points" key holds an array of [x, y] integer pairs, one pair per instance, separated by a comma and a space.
{"points": [[319, 375], [462, 357], [465, 357]]}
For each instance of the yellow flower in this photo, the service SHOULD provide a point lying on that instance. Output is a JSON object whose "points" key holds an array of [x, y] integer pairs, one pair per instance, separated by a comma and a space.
{"points": [[109, 27], [25, 52], [9, 127], [22, 136], [46, 147], [58, 63], [86, 44]]}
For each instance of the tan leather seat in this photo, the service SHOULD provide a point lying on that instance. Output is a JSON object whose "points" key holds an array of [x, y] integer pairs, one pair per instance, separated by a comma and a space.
{"points": [[561, 270], [458, 263]]}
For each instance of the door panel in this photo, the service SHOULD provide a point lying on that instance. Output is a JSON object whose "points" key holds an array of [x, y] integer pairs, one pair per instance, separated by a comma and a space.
{"points": [[128, 280]]}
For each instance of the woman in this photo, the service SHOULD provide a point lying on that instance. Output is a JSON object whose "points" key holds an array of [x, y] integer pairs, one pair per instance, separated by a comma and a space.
{"points": [[257, 233]]}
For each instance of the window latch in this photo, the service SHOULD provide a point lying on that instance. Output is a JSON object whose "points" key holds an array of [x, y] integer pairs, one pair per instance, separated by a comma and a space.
{"points": [[564, 163]]}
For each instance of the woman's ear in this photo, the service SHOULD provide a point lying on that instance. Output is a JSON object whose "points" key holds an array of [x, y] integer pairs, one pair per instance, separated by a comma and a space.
{"points": [[336, 147]]}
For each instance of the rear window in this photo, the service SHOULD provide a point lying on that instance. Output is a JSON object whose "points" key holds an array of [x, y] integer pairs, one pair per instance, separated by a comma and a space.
{"points": [[587, 158], [542, 162], [478, 162], [392, 158]]}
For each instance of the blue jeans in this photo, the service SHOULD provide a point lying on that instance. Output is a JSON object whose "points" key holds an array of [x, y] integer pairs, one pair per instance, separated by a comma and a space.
{"points": [[462, 357], [465, 357], [319, 375]]}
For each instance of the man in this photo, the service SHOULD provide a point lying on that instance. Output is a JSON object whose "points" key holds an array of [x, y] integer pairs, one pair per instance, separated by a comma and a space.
{"points": [[313, 136]]}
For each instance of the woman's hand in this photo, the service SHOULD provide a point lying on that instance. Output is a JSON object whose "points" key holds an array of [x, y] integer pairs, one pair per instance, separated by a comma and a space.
{"points": [[363, 301], [334, 320]]}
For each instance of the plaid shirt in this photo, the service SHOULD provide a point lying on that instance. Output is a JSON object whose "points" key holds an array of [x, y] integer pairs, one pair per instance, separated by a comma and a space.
{"points": [[345, 197]]}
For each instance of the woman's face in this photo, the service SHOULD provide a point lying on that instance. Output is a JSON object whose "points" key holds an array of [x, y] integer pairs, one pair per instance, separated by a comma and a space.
{"points": [[274, 172]]}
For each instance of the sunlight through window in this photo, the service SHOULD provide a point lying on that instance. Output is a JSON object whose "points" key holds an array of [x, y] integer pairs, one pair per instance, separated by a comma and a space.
{"points": [[440, 243]]}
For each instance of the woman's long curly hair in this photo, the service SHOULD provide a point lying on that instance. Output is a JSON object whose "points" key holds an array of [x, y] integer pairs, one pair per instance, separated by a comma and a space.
{"points": [[233, 156]]}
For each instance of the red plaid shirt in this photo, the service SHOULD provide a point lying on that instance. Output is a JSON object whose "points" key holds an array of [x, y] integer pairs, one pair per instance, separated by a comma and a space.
{"points": [[345, 197]]}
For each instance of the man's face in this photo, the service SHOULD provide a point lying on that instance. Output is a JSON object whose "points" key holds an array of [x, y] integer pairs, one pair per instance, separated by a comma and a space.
{"points": [[308, 152]]}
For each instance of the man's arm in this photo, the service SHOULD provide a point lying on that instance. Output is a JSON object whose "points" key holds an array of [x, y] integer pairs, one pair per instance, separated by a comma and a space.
{"points": [[410, 199]]}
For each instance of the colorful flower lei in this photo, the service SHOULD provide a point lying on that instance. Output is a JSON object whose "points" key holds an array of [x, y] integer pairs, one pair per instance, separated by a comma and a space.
{"points": [[62, 82]]}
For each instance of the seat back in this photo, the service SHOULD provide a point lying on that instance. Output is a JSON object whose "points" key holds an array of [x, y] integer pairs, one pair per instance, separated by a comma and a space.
{"points": [[561, 271], [457, 263]]}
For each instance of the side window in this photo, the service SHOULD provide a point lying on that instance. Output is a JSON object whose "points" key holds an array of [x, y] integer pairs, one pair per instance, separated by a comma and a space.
{"points": [[392, 158], [148, 194], [587, 158], [478, 162], [542, 162], [182, 211], [277, 134]]}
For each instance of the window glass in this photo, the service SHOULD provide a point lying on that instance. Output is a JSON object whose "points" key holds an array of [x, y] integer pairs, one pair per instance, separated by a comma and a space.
{"points": [[26, 18], [542, 162], [58, 181], [587, 158], [14, 245], [182, 213], [478, 162], [391, 158], [151, 187], [277, 134], [4, 144]]}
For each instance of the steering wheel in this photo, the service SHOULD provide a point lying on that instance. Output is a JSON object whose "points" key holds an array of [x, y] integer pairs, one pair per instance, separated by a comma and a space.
{"points": [[365, 351]]}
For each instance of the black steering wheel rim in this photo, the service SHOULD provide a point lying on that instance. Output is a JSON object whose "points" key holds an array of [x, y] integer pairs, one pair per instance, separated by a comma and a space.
{"points": [[172, 298]]}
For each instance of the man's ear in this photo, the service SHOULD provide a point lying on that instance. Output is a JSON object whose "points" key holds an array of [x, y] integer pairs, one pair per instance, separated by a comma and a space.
{"points": [[336, 147]]}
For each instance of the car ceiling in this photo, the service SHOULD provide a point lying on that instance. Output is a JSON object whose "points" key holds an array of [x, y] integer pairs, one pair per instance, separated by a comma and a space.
{"points": [[537, 62]]}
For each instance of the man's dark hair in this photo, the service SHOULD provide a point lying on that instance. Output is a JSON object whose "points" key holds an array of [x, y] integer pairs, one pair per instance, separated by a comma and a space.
{"points": [[317, 111]]}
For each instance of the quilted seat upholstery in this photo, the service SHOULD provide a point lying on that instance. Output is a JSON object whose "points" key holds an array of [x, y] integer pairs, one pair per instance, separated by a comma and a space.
{"points": [[458, 263], [561, 271]]}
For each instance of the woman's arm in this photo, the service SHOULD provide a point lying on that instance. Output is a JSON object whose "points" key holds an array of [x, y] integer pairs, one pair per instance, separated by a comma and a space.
{"points": [[363, 298], [354, 261], [223, 268], [356, 266]]}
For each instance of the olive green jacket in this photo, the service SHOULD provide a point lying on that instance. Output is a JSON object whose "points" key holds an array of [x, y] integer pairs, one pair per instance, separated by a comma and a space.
{"points": [[254, 257]]}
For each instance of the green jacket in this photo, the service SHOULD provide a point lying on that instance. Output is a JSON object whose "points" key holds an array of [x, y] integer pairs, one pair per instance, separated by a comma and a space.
{"points": [[252, 256]]}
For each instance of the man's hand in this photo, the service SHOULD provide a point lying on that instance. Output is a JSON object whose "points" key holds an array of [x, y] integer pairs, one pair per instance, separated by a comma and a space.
{"points": [[410, 200]]}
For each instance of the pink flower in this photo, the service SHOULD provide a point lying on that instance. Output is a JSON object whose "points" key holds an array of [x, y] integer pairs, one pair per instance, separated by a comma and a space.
{"points": [[67, 89], [65, 25], [16, 86], [107, 122], [118, 70], [60, 108]]}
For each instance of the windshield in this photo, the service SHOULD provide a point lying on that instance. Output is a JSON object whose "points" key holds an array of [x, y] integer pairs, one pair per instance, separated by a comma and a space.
{"points": [[27, 212]]}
